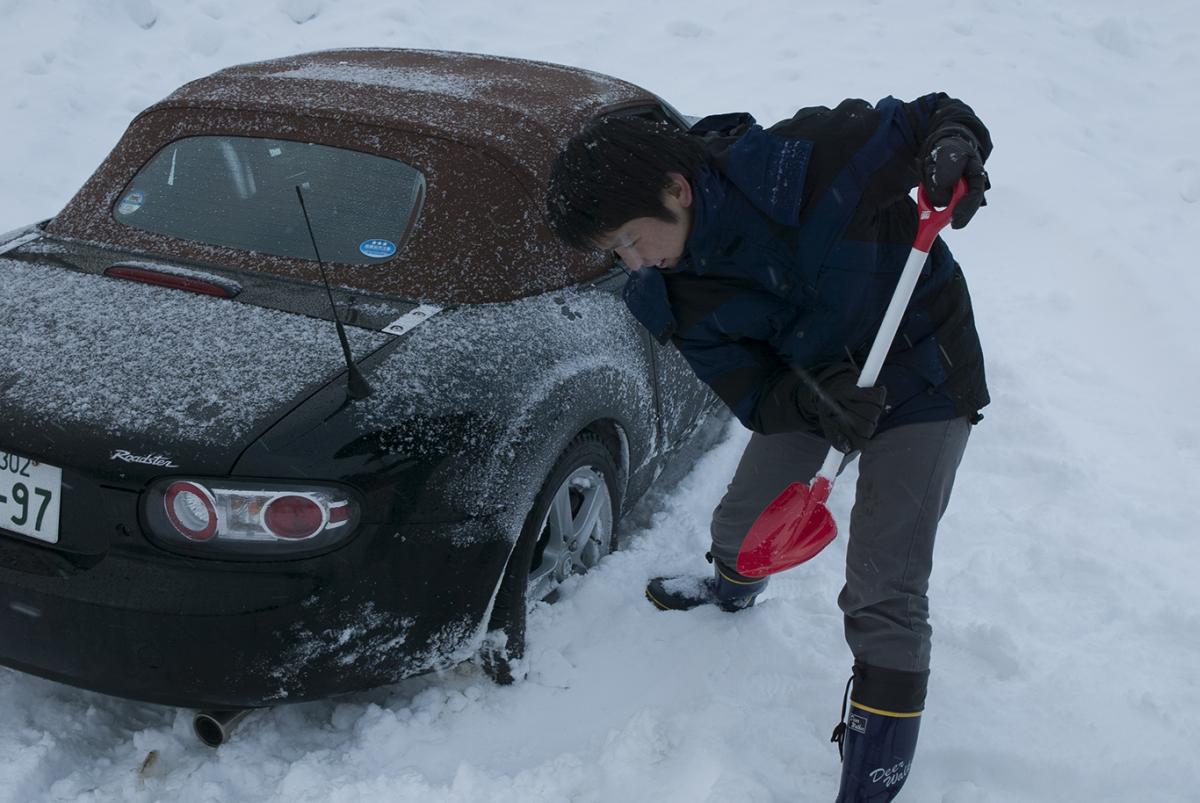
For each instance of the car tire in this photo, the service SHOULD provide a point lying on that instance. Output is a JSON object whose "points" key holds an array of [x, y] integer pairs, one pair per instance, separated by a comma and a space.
{"points": [[571, 525]]}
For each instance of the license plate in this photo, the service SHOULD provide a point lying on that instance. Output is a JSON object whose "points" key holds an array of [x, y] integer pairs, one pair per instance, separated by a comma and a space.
{"points": [[29, 497]]}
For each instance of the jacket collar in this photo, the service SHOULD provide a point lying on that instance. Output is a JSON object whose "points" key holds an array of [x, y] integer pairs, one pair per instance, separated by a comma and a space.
{"points": [[646, 291], [646, 296], [708, 192]]}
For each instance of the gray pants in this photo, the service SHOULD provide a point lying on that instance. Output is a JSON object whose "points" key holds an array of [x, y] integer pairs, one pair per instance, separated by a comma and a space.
{"points": [[904, 480]]}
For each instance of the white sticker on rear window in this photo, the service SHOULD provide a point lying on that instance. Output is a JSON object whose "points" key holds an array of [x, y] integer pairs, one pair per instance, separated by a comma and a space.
{"points": [[132, 202], [377, 249]]}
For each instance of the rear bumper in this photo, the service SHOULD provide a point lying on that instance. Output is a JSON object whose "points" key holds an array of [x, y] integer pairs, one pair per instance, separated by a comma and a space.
{"points": [[206, 634]]}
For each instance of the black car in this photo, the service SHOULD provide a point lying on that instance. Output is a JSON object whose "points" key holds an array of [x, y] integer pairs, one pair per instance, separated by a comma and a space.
{"points": [[197, 506]]}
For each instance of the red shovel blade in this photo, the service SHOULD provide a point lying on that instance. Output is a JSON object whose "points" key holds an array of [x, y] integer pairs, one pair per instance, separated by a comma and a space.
{"points": [[789, 531]]}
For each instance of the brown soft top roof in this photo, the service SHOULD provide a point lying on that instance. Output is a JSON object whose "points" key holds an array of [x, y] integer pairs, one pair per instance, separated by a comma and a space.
{"points": [[482, 130], [466, 97]]}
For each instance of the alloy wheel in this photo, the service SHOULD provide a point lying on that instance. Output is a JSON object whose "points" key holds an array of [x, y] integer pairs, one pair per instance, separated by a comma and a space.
{"points": [[575, 534]]}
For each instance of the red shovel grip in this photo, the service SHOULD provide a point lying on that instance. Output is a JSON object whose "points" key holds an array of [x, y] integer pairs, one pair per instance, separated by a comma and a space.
{"points": [[931, 220]]}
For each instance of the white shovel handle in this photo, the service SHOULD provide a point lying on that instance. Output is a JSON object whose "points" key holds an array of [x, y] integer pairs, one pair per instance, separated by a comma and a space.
{"points": [[930, 221]]}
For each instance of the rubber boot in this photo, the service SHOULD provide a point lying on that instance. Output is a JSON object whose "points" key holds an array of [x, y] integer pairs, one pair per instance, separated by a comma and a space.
{"points": [[726, 589], [879, 737]]}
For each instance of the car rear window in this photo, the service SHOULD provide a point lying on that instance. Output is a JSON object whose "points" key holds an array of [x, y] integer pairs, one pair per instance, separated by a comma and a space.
{"points": [[240, 192]]}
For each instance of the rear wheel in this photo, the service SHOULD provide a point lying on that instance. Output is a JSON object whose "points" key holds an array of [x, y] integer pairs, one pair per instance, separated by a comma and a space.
{"points": [[571, 526]]}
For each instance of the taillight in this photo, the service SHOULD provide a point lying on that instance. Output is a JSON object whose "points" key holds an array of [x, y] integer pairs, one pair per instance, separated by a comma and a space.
{"points": [[293, 516], [260, 518], [191, 510], [177, 278]]}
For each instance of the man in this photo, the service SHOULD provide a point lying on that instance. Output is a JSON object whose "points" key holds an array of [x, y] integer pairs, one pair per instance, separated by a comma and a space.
{"points": [[768, 258]]}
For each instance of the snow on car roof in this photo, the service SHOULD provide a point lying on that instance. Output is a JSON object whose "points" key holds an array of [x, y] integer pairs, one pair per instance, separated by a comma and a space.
{"points": [[525, 109], [482, 130]]}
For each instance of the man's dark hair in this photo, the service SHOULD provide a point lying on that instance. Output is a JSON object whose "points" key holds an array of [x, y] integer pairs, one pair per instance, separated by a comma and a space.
{"points": [[613, 171]]}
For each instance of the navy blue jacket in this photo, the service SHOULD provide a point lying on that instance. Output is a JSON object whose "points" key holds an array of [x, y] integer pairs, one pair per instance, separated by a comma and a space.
{"points": [[799, 235]]}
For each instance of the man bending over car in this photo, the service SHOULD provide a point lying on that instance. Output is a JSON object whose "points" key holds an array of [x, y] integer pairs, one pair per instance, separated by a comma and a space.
{"points": [[768, 257]]}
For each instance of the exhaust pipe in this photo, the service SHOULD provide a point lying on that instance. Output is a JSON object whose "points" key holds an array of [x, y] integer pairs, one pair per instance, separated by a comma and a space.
{"points": [[215, 727]]}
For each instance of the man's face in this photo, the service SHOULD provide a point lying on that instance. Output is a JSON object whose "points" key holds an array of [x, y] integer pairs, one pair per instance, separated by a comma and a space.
{"points": [[650, 242]]}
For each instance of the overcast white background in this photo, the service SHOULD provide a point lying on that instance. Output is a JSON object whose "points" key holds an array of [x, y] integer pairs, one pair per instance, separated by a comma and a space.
{"points": [[1064, 602]]}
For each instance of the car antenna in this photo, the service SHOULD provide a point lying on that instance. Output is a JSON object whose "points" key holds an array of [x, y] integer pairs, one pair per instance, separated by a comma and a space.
{"points": [[357, 386]]}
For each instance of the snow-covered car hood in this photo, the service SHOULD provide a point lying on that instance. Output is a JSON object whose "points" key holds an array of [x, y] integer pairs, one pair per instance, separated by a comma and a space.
{"points": [[93, 367]]}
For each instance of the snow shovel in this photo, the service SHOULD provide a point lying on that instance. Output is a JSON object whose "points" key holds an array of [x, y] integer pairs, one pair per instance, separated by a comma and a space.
{"points": [[797, 525]]}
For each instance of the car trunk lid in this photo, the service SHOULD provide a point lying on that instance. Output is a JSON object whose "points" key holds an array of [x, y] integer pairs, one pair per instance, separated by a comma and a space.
{"points": [[133, 381]]}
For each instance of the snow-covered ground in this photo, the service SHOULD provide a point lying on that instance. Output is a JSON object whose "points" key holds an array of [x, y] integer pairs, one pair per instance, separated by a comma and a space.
{"points": [[1066, 613]]}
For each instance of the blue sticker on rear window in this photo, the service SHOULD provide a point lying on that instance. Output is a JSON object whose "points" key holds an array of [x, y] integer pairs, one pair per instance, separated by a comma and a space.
{"points": [[377, 249], [132, 202]]}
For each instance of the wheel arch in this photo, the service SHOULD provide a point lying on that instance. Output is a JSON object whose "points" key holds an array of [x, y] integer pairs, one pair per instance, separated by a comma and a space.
{"points": [[603, 400], [616, 440]]}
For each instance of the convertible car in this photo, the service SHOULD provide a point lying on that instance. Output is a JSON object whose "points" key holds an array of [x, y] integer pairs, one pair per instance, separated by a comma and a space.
{"points": [[205, 500]]}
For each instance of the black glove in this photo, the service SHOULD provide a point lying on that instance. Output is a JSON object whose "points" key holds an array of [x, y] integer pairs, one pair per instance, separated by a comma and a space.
{"points": [[846, 413], [951, 157]]}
